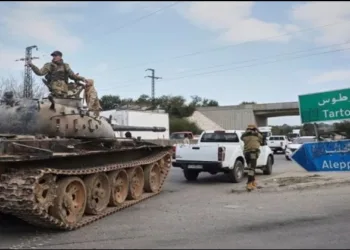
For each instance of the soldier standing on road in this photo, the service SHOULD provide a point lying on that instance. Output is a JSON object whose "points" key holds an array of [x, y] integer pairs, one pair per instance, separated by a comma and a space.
{"points": [[252, 141], [57, 73]]}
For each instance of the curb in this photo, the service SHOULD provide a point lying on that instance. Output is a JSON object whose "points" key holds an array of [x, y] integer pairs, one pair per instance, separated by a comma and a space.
{"points": [[299, 187], [303, 186]]}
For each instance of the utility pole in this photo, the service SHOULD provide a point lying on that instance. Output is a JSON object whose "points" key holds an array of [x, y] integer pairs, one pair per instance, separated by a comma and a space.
{"points": [[153, 84], [28, 80]]}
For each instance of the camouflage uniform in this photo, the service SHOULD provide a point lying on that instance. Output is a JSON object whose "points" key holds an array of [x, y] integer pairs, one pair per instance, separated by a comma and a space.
{"points": [[252, 140], [57, 74], [91, 97]]}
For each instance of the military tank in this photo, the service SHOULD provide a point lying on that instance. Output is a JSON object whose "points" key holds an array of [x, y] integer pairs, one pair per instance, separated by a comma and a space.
{"points": [[61, 167]]}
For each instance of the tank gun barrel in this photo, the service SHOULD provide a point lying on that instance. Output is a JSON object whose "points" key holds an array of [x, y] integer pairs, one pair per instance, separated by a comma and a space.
{"points": [[137, 128]]}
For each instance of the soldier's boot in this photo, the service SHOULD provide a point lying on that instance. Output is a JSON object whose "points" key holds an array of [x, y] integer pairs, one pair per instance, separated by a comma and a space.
{"points": [[254, 183], [250, 186]]}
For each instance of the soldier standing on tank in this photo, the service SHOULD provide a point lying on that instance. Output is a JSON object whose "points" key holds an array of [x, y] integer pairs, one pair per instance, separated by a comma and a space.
{"points": [[252, 141], [91, 97], [56, 73]]}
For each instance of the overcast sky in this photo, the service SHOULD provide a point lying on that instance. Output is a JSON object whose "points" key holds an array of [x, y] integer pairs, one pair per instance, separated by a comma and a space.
{"points": [[227, 51]]}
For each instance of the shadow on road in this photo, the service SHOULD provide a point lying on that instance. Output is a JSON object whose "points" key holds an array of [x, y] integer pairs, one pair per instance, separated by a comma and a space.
{"points": [[218, 179], [11, 225], [279, 224]]}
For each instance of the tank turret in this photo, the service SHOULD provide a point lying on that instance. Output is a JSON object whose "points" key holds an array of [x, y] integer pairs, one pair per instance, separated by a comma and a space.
{"points": [[58, 117]]}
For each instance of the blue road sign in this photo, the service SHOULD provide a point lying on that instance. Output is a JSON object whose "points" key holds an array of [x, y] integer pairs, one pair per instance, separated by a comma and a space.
{"points": [[324, 156]]}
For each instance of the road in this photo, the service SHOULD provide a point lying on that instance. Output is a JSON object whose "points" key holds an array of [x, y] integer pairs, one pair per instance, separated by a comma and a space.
{"points": [[207, 215]]}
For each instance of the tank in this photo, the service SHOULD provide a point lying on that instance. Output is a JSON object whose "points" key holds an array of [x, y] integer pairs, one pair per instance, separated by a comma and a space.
{"points": [[61, 167]]}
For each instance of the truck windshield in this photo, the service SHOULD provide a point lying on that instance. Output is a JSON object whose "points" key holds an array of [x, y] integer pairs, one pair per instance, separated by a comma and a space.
{"points": [[177, 136], [219, 137], [265, 133]]}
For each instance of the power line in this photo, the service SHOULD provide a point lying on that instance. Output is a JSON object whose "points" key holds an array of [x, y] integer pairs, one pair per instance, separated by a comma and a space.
{"points": [[130, 22], [246, 66], [140, 18], [251, 65], [238, 62], [148, 15], [227, 46], [138, 6], [266, 57]]}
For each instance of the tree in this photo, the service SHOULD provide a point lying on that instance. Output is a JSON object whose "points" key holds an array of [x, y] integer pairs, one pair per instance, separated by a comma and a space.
{"points": [[308, 129], [202, 102], [242, 103], [209, 103], [343, 127], [182, 124], [144, 100], [11, 84], [109, 102], [175, 106]]}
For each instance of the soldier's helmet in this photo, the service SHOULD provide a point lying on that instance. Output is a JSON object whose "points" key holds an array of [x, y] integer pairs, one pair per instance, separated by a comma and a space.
{"points": [[251, 126], [56, 53]]}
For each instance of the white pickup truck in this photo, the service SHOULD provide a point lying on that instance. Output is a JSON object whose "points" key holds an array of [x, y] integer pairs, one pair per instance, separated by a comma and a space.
{"points": [[219, 151], [278, 143]]}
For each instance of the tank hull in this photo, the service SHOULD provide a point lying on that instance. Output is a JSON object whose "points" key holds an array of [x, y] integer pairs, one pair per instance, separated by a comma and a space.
{"points": [[34, 177], [61, 166]]}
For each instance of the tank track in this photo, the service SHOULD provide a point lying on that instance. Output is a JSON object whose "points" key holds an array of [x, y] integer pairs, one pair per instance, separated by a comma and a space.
{"points": [[17, 188]]}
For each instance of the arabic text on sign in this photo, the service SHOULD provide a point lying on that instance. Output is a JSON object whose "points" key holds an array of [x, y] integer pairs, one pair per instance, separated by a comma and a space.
{"points": [[334, 100]]}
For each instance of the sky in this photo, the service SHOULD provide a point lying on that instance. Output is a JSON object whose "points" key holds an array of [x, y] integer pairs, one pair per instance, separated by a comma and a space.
{"points": [[227, 51]]}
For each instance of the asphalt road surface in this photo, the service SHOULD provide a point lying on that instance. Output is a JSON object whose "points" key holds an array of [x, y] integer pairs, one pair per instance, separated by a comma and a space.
{"points": [[206, 214]]}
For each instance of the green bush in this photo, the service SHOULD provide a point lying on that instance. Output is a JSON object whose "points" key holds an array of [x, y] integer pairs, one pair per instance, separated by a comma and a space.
{"points": [[182, 124]]}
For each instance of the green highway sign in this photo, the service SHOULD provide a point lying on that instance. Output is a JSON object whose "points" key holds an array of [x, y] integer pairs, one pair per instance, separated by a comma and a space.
{"points": [[325, 106]]}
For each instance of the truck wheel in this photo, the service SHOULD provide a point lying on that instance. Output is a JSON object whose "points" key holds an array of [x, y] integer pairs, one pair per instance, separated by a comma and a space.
{"points": [[191, 175], [237, 173], [268, 168]]}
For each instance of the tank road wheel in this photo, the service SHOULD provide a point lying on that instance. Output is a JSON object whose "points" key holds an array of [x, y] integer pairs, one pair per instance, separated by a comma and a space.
{"points": [[152, 178], [119, 184], [69, 205], [136, 183], [45, 191], [164, 163], [98, 192]]}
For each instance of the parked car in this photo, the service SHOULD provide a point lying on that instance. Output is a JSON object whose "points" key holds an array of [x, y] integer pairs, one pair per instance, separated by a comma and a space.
{"points": [[296, 143], [278, 143]]}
